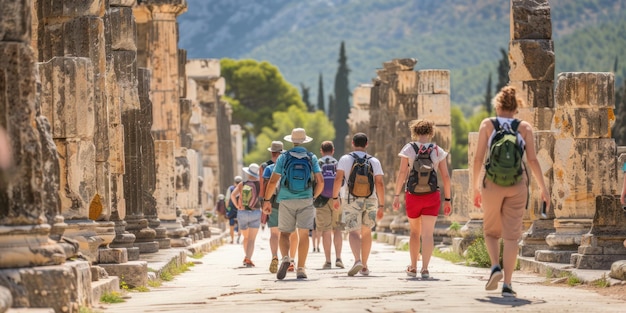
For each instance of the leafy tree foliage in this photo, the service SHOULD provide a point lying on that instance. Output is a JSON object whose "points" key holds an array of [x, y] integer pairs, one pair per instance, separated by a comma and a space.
{"points": [[342, 101], [458, 151], [256, 90], [315, 123]]}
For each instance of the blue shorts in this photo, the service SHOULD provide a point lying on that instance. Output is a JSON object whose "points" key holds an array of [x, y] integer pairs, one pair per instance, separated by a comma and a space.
{"points": [[249, 219]]}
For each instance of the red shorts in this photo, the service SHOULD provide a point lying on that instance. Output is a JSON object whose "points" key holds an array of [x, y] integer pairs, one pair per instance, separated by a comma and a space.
{"points": [[418, 205]]}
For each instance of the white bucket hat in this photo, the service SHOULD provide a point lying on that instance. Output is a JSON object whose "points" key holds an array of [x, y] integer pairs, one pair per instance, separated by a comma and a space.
{"points": [[252, 170], [298, 135], [238, 179], [277, 146]]}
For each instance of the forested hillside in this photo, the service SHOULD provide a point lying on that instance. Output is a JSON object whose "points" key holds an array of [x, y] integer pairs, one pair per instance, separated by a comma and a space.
{"points": [[302, 38]]}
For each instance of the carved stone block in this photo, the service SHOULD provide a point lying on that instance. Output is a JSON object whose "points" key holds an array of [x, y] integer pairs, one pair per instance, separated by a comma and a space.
{"points": [[530, 19], [535, 93], [15, 21], [407, 82], [50, 8], [585, 90], [531, 60], [124, 31], [460, 200], [582, 171], [78, 176], [434, 107], [434, 82], [584, 122], [67, 97], [165, 192]]}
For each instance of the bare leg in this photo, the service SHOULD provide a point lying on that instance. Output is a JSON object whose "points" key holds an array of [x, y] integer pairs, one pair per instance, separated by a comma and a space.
{"points": [[232, 233], [303, 246], [245, 240], [326, 239], [249, 242], [366, 244], [355, 244], [415, 224], [428, 243], [493, 248], [283, 243], [274, 235], [509, 258], [338, 241], [293, 247]]}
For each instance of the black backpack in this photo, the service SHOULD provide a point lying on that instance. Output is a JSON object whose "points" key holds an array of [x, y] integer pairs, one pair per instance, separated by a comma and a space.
{"points": [[423, 176], [361, 180]]}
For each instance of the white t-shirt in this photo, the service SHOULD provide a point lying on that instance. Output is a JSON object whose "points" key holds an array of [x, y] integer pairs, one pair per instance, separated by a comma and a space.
{"points": [[437, 155], [506, 122], [345, 165]]}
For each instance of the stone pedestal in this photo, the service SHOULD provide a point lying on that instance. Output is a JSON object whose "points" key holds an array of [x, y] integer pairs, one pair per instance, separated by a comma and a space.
{"points": [[603, 245], [535, 237]]}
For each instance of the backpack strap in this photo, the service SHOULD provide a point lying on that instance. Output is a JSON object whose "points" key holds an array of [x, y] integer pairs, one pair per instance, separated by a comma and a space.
{"points": [[496, 123]]}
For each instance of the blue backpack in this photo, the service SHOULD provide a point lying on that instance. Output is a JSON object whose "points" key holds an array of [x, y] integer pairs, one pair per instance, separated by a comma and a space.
{"points": [[329, 171], [297, 170]]}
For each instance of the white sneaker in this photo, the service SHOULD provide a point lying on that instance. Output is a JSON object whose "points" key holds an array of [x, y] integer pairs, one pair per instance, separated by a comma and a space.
{"points": [[355, 268]]}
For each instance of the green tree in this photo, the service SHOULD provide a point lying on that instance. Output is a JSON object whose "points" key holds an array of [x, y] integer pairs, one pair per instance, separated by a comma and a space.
{"points": [[488, 96], [305, 97], [460, 130], [331, 107], [503, 70], [320, 95], [342, 101], [256, 90], [316, 124]]}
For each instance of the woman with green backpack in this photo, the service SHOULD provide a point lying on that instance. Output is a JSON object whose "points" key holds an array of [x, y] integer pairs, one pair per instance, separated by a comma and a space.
{"points": [[246, 197], [503, 191]]}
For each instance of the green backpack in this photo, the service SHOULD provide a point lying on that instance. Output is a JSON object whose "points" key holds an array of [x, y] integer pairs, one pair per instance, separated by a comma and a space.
{"points": [[249, 195], [504, 164]]}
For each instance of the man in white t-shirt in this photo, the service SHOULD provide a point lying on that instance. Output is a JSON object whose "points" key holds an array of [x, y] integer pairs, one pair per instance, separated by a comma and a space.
{"points": [[359, 213]]}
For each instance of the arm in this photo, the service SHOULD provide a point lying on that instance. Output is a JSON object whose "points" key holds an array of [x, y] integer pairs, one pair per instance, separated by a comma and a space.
{"points": [[445, 176], [269, 190], [380, 194], [262, 182], [533, 162], [336, 188], [399, 187], [483, 137], [319, 185], [234, 196]]}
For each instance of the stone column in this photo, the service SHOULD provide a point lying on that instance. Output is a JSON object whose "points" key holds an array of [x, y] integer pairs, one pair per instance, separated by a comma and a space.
{"points": [[77, 29], [24, 235], [582, 170], [532, 60]]}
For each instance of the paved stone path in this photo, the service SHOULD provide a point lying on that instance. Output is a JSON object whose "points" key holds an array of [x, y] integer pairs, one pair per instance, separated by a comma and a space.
{"points": [[218, 283]]}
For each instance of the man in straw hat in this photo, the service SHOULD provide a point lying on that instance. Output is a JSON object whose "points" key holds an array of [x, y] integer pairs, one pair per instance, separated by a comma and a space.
{"points": [[294, 170], [246, 198]]}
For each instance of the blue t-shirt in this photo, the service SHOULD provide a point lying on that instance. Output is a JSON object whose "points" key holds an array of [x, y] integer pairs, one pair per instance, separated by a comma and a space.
{"points": [[285, 193], [624, 168]]}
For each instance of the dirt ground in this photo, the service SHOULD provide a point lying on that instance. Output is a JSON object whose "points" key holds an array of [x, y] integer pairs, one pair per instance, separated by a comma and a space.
{"points": [[616, 292]]}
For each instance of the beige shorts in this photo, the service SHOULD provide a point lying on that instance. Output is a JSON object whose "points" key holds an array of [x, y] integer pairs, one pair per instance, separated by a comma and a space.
{"points": [[504, 209], [326, 218]]}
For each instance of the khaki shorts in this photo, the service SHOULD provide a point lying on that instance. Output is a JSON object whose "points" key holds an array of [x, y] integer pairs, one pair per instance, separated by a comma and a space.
{"points": [[504, 209], [295, 213], [326, 218]]}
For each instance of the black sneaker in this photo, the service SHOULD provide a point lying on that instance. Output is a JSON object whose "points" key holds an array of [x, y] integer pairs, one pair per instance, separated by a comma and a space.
{"points": [[496, 276], [282, 270], [507, 291]]}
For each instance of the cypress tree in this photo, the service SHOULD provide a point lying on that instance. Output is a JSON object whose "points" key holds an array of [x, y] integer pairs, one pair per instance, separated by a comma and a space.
{"points": [[342, 102], [503, 70], [320, 95], [331, 108], [305, 97], [488, 96]]}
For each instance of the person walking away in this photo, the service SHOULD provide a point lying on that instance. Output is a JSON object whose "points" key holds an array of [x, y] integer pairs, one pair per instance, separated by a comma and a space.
{"points": [[231, 211], [220, 212], [420, 162], [249, 214], [295, 170], [327, 219], [359, 191], [503, 191]]}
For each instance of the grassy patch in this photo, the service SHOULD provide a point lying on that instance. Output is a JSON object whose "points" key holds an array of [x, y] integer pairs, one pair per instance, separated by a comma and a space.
{"points": [[173, 269], [112, 297], [197, 255], [404, 247], [154, 283], [84, 309], [450, 256], [602, 282], [477, 253], [141, 289], [375, 236]]}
